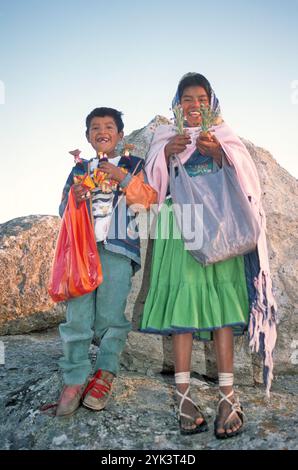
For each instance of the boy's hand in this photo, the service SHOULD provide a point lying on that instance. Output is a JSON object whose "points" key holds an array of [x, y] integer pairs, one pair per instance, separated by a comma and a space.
{"points": [[81, 193], [176, 145], [112, 171], [208, 145]]}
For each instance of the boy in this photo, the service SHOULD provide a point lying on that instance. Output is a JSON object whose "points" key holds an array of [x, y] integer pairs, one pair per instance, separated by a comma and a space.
{"points": [[101, 312]]}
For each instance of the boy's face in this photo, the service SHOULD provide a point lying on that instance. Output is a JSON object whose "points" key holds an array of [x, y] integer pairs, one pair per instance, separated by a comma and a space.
{"points": [[103, 135]]}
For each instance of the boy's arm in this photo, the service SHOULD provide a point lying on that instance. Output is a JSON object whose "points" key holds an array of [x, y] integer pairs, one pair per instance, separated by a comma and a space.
{"points": [[137, 191]]}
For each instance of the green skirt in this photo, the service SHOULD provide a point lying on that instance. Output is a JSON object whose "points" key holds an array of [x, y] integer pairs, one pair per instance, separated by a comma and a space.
{"points": [[185, 296]]}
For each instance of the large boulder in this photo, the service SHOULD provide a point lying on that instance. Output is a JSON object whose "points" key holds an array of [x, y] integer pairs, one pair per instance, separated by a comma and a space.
{"points": [[26, 252], [280, 199]]}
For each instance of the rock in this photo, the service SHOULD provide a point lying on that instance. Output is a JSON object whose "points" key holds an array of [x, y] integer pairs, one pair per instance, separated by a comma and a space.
{"points": [[57, 441], [141, 138], [26, 252], [141, 414], [25, 305], [280, 199]]}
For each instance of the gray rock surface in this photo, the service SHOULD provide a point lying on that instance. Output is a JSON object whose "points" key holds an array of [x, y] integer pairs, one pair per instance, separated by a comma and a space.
{"points": [[141, 415]]}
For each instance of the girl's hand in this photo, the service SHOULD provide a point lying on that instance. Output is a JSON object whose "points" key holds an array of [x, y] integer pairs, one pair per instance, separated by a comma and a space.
{"points": [[112, 171], [208, 145], [176, 145]]}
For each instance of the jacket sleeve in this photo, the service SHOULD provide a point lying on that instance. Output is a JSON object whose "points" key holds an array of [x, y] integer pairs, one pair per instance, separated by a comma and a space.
{"points": [[67, 186], [137, 191]]}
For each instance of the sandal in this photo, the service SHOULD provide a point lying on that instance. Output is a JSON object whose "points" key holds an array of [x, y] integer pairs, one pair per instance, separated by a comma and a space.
{"points": [[236, 410], [202, 427]]}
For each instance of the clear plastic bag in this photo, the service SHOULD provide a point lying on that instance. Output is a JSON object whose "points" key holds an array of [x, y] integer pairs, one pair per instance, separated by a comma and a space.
{"points": [[213, 214]]}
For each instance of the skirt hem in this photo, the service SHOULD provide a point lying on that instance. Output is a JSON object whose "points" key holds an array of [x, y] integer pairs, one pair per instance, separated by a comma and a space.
{"points": [[180, 330]]}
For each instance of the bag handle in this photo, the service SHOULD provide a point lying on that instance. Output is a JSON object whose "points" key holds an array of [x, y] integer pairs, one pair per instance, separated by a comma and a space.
{"points": [[175, 162], [90, 200], [122, 195]]}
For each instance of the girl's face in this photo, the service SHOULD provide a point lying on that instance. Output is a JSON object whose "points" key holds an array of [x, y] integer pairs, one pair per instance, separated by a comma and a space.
{"points": [[191, 100]]}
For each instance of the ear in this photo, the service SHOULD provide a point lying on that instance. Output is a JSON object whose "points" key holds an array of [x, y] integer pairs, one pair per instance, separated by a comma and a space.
{"points": [[87, 136], [121, 135]]}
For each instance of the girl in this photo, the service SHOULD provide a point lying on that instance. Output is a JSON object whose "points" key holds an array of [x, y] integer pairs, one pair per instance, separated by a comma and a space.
{"points": [[189, 300]]}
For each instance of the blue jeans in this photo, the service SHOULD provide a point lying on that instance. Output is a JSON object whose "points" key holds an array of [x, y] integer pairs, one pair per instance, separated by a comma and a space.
{"points": [[100, 313]]}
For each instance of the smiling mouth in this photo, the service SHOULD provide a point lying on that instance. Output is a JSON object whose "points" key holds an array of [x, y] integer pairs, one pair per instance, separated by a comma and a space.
{"points": [[194, 113], [102, 140]]}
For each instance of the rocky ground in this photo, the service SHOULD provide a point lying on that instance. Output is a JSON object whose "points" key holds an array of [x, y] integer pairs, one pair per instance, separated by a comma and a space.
{"points": [[142, 414]]}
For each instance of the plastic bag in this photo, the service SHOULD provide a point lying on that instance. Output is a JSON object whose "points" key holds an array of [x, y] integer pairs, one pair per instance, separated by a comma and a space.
{"points": [[76, 267], [213, 214]]}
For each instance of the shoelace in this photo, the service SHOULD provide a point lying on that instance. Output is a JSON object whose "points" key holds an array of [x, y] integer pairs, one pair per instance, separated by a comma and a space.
{"points": [[98, 390]]}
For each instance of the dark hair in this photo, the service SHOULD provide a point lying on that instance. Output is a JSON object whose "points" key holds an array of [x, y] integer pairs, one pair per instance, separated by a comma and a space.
{"points": [[194, 80], [103, 112]]}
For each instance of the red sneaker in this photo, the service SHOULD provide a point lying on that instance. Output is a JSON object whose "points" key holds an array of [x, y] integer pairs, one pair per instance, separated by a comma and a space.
{"points": [[98, 391], [69, 400]]}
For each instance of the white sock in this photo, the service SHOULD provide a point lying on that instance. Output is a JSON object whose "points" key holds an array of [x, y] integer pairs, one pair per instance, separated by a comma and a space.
{"points": [[182, 377], [225, 379]]}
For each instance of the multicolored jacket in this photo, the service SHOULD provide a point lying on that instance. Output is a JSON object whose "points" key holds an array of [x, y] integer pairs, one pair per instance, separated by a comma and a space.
{"points": [[123, 236]]}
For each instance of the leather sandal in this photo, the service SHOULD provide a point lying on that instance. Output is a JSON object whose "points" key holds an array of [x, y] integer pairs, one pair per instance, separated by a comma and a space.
{"points": [[202, 427], [236, 410]]}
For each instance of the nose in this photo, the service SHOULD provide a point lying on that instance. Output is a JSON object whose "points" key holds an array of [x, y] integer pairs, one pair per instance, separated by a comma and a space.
{"points": [[196, 102]]}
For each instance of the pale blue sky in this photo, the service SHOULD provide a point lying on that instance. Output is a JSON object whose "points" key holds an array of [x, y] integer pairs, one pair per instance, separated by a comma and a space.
{"points": [[59, 59]]}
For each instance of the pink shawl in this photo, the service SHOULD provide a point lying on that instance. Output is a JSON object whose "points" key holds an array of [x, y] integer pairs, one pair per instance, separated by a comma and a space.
{"points": [[262, 322]]}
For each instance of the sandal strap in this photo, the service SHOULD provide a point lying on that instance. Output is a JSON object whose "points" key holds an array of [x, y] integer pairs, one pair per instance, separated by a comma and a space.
{"points": [[225, 398], [235, 410], [191, 418], [235, 406], [183, 398]]}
